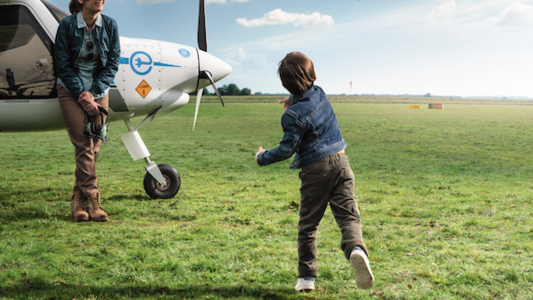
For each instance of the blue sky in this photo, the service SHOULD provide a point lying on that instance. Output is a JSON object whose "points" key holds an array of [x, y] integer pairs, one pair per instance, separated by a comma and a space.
{"points": [[442, 47]]}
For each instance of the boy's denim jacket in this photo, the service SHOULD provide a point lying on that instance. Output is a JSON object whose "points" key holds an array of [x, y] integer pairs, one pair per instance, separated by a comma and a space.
{"points": [[69, 40], [310, 129]]}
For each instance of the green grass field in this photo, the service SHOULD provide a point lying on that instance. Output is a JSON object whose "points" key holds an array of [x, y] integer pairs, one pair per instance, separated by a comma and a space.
{"points": [[446, 198]]}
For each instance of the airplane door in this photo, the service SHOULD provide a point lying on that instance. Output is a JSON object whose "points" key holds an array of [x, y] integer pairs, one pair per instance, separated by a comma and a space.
{"points": [[140, 74]]}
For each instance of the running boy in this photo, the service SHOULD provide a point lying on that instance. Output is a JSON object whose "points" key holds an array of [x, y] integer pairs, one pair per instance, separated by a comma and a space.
{"points": [[310, 129]]}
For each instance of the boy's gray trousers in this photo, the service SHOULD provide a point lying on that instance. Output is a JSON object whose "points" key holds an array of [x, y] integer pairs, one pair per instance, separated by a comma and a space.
{"points": [[329, 180]]}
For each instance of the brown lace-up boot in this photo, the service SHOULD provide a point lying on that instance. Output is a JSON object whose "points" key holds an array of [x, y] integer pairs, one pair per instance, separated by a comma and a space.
{"points": [[94, 207], [77, 207]]}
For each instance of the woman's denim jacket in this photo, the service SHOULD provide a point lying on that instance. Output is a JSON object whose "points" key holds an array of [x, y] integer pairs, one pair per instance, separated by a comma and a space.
{"points": [[310, 129], [69, 40]]}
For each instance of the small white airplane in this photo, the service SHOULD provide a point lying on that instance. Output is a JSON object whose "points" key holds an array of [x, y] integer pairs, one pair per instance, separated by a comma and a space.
{"points": [[153, 79]]}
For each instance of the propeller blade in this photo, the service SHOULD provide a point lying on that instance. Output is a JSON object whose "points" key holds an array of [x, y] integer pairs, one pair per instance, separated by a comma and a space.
{"points": [[208, 75], [198, 99], [202, 33]]}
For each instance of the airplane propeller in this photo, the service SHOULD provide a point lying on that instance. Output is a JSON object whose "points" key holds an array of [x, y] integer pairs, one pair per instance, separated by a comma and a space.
{"points": [[203, 74], [202, 32]]}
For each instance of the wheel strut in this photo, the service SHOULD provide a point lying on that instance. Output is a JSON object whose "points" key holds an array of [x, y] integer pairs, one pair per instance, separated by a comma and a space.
{"points": [[160, 181]]}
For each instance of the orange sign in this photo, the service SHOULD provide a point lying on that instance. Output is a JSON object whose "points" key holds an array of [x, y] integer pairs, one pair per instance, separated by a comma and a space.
{"points": [[143, 89]]}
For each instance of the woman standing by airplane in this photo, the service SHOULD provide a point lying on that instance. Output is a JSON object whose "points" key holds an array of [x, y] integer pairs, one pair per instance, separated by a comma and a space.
{"points": [[86, 58]]}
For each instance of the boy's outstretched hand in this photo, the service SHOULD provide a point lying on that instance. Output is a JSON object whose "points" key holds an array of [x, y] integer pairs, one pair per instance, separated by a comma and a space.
{"points": [[285, 102], [260, 150]]}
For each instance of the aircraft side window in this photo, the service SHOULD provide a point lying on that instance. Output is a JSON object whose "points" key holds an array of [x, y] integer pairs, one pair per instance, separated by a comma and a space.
{"points": [[26, 70]]}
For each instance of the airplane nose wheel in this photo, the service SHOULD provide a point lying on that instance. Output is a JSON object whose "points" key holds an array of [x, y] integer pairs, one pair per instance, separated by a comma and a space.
{"points": [[156, 190]]}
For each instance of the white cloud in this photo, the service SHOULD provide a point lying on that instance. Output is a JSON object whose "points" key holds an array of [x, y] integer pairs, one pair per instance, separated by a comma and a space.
{"points": [[279, 16], [238, 57], [444, 10], [518, 14], [481, 14], [251, 69]]}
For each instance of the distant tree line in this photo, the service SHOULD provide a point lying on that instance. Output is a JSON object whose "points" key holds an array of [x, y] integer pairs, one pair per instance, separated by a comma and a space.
{"points": [[228, 90]]}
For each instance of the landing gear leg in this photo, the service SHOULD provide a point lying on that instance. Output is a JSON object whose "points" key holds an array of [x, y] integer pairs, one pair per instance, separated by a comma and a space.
{"points": [[161, 181]]}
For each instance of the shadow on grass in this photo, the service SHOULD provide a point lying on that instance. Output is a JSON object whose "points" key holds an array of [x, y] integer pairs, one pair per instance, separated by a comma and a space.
{"points": [[30, 194], [123, 197], [34, 215], [40, 289]]}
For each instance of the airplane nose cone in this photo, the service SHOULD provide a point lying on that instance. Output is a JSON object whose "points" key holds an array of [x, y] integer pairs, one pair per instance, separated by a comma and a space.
{"points": [[218, 68]]}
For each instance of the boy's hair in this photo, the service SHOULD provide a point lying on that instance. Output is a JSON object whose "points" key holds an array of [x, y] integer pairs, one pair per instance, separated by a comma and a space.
{"points": [[297, 73]]}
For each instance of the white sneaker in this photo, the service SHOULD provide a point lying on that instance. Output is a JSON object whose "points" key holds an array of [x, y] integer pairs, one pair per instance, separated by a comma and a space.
{"points": [[304, 285], [363, 275]]}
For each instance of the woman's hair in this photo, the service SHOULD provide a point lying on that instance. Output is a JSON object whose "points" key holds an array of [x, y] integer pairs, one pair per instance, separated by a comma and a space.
{"points": [[297, 73], [74, 6]]}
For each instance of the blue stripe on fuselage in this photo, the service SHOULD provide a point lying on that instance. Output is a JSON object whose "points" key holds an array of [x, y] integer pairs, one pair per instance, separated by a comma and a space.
{"points": [[126, 61], [165, 65]]}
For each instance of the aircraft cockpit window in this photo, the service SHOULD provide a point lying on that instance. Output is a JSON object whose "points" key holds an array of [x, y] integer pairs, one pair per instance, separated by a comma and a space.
{"points": [[14, 36], [26, 70], [58, 12]]}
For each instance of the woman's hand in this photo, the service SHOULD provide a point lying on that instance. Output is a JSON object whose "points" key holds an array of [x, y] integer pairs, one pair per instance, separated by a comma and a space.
{"points": [[86, 100]]}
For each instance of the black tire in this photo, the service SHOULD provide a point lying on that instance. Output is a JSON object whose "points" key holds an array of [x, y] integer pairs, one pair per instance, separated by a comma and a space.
{"points": [[155, 190]]}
